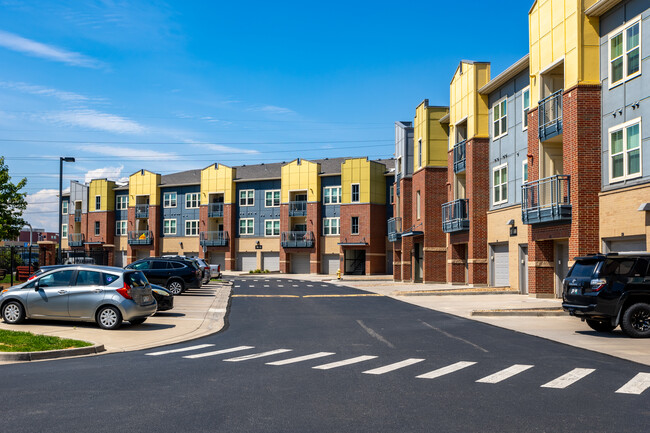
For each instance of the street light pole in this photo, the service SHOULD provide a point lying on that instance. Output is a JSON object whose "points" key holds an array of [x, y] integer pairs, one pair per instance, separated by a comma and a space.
{"points": [[61, 161]]}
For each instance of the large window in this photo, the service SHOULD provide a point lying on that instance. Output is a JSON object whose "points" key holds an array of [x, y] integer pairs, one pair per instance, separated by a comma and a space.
{"points": [[169, 227], [192, 200], [246, 197], [120, 228], [64, 231], [525, 107], [500, 185], [500, 118], [169, 199], [98, 202], [625, 52], [417, 205], [355, 193], [420, 152], [524, 171], [121, 202], [272, 228], [272, 198], [625, 151], [97, 228], [331, 226], [64, 207], [332, 195], [354, 225], [192, 228], [246, 226]]}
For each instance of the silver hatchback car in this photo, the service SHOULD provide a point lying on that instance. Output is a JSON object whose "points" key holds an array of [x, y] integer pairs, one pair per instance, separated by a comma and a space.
{"points": [[101, 294]]}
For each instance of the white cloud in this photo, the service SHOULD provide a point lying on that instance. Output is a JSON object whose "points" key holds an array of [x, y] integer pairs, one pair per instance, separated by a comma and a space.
{"points": [[43, 209], [43, 91], [221, 148], [110, 173], [37, 49], [94, 119], [126, 152]]}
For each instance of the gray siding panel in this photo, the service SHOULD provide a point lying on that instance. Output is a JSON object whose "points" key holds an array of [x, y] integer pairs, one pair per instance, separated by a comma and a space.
{"points": [[259, 212]]}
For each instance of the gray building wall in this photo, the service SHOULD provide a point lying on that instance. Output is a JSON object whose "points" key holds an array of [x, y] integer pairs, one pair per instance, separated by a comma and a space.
{"points": [[78, 192], [404, 147], [259, 212], [329, 210], [121, 214]]}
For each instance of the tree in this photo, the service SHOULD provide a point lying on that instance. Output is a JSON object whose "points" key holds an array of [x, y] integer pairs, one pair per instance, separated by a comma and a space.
{"points": [[12, 204]]}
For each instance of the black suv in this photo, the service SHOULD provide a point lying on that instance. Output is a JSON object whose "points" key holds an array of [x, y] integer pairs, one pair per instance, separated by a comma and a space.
{"points": [[608, 290], [177, 275]]}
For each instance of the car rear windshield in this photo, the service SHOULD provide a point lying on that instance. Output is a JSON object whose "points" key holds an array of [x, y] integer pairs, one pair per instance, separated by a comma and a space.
{"points": [[135, 279], [583, 269]]}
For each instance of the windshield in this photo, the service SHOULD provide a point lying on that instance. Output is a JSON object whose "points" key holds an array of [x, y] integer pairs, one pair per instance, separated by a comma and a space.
{"points": [[583, 269]]}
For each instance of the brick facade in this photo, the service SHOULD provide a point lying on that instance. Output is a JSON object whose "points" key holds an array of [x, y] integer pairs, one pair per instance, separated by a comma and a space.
{"points": [[372, 233]]}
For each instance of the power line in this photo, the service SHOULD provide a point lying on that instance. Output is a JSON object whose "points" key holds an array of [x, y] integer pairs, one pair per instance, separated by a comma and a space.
{"points": [[185, 143]]}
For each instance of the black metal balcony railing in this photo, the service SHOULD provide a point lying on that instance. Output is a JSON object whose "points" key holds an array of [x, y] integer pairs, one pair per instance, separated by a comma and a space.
{"points": [[297, 208], [297, 240], [214, 239], [140, 237], [394, 229], [142, 211], [546, 200], [77, 215], [75, 239], [454, 216], [459, 157], [215, 210], [550, 116]]}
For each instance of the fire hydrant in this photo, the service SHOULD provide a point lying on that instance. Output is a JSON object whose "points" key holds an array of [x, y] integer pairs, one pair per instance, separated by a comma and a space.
{"points": [[338, 274]]}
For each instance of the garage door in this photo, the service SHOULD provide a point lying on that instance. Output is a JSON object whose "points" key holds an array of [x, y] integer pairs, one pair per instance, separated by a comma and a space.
{"points": [[626, 245], [500, 265], [120, 259], [141, 254], [299, 263], [271, 262], [246, 261], [330, 263], [218, 259]]}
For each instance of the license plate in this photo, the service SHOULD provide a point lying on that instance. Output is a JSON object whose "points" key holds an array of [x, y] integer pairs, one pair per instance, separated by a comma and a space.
{"points": [[146, 298], [574, 291]]}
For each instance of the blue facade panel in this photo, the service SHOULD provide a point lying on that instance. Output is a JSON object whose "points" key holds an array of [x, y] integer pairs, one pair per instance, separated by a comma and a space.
{"points": [[329, 210], [180, 213], [258, 211], [124, 213]]}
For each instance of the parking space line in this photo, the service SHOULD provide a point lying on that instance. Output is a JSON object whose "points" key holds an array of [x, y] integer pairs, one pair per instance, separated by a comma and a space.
{"points": [[257, 355], [446, 370], [395, 366], [265, 296], [637, 385], [356, 295], [183, 349], [504, 374], [301, 358], [219, 352], [344, 362], [569, 378]]}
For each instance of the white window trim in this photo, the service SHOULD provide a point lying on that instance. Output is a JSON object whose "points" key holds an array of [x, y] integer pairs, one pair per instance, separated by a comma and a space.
{"points": [[418, 205], [338, 196], [271, 221], [246, 191], [338, 226], [64, 231], [176, 200], [239, 228], [623, 127], [198, 200], [499, 102], [120, 203], [622, 28], [524, 163], [420, 152], [272, 191], [170, 226], [499, 168], [188, 223], [352, 225], [120, 227], [524, 127], [352, 194]]}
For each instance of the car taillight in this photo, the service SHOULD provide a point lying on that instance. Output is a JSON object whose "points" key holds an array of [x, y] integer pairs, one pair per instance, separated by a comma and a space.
{"points": [[31, 278], [598, 284], [125, 291]]}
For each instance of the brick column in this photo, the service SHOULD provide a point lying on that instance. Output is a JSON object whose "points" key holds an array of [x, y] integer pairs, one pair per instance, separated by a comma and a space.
{"points": [[435, 240], [47, 253], [285, 264], [314, 225], [230, 225], [397, 263], [156, 228], [376, 250], [406, 196], [477, 151], [130, 226], [203, 227], [456, 258]]}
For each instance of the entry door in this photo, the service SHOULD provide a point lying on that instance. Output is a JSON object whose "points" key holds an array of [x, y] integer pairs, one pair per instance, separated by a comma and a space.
{"points": [[417, 262], [51, 299], [500, 268], [561, 265], [523, 269]]}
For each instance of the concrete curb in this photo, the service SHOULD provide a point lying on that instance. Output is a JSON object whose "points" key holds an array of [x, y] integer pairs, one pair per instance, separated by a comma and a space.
{"points": [[531, 312], [52, 354], [451, 292]]}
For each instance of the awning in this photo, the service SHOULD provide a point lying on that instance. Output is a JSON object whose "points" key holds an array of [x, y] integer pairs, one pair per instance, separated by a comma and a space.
{"points": [[353, 244], [412, 233]]}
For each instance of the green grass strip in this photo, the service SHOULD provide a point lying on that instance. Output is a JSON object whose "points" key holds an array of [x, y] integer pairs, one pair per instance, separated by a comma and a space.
{"points": [[13, 341]]}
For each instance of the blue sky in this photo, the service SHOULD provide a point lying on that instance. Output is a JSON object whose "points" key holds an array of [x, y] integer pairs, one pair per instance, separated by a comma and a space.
{"points": [[182, 84]]}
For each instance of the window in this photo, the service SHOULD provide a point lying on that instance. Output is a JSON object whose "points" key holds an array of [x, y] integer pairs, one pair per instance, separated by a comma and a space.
{"points": [[420, 152], [96, 228], [417, 205], [355, 193], [64, 207], [64, 231], [354, 229], [192, 228], [192, 200], [56, 279], [525, 107], [625, 151], [121, 202], [331, 226], [524, 171], [169, 199], [272, 198], [332, 195], [246, 197], [89, 278], [500, 185], [272, 228], [624, 53], [246, 226], [169, 227], [120, 228], [98, 202], [500, 119], [300, 227], [391, 194]]}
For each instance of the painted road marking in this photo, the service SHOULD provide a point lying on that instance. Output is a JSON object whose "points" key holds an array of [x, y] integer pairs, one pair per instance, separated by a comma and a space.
{"points": [[446, 370], [301, 358], [310, 285], [506, 373], [218, 352], [295, 285], [237, 285], [567, 379], [280, 285], [344, 362], [266, 285], [265, 296], [183, 349], [344, 296], [395, 366], [250, 285], [257, 355], [637, 385]]}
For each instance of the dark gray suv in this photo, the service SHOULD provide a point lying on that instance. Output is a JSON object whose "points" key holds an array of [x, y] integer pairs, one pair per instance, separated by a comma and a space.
{"points": [[177, 275]]}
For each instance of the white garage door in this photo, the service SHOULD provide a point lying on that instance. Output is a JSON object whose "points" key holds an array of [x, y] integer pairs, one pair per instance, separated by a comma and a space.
{"points": [[626, 245], [218, 259], [500, 265], [246, 261], [330, 263], [271, 262], [299, 263]]}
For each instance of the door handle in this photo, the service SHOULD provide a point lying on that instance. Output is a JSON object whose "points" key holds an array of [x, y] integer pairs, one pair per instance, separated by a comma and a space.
{"points": [[62, 292], [97, 290]]}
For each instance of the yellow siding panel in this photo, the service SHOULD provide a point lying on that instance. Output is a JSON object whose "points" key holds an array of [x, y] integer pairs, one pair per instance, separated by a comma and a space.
{"points": [[144, 183], [218, 178], [104, 189], [301, 176]]}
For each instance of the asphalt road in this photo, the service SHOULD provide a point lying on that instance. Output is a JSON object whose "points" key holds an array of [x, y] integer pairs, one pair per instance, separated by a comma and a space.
{"points": [[473, 376]]}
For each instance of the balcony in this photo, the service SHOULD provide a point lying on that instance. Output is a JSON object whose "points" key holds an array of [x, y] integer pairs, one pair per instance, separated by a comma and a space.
{"points": [[75, 239], [394, 229], [546, 200], [297, 240], [215, 210], [297, 208], [77, 215], [459, 157], [550, 116], [142, 211], [140, 237], [454, 216], [213, 239]]}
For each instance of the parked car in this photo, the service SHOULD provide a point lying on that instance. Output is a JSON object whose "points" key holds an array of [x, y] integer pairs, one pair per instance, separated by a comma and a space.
{"points": [[215, 271], [205, 268], [175, 274], [607, 290], [164, 298], [105, 295], [44, 269]]}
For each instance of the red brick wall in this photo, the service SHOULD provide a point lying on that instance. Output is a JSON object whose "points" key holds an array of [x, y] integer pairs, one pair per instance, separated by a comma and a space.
{"points": [[372, 231], [478, 187], [106, 227], [406, 199], [285, 265], [314, 224]]}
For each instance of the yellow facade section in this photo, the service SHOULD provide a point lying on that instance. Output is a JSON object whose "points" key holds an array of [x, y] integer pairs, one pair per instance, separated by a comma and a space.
{"points": [[433, 135], [104, 189], [619, 214], [466, 104], [218, 178], [144, 182], [184, 245], [559, 31], [301, 175], [370, 177], [499, 233]]}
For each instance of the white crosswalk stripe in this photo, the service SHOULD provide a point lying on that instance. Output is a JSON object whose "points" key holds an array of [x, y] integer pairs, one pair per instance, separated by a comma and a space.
{"points": [[569, 378], [257, 355], [504, 374], [446, 370], [280, 285], [218, 352], [266, 285], [183, 349], [301, 358], [236, 285], [395, 366], [344, 362], [637, 385], [310, 285]]}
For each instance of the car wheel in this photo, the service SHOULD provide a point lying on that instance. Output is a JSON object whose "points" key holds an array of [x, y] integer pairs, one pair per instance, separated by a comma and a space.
{"points": [[109, 317], [600, 326], [13, 312], [176, 287], [636, 320], [139, 321]]}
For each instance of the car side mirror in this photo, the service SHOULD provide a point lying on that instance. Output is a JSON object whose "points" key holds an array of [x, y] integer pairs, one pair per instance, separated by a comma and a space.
{"points": [[37, 285]]}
